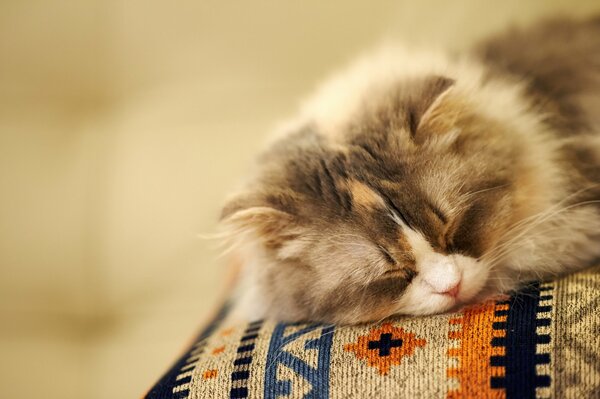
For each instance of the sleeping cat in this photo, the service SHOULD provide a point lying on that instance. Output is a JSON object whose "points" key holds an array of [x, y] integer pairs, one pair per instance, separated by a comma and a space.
{"points": [[415, 182]]}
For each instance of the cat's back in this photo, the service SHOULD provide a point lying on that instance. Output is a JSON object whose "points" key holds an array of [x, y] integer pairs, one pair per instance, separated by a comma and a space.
{"points": [[559, 62]]}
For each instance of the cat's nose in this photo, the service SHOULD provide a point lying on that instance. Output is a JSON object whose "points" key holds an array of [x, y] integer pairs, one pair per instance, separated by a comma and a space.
{"points": [[453, 292], [443, 277], [445, 288]]}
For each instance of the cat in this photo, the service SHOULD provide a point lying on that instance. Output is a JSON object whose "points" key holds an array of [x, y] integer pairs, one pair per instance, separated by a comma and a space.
{"points": [[417, 182]]}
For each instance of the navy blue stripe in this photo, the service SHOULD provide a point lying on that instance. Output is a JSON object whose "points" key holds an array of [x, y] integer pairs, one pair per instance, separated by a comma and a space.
{"points": [[542, 322], [497, 382], [499, 325], [252, 329], [542, 381], [496, 361], [242, 360], [520, 379], [237, 393], [164, 387], [183, 394], [542, 358], [184, 380], [240, 375], [245, 348], [247, 337], [502, 312], [543, 339]]}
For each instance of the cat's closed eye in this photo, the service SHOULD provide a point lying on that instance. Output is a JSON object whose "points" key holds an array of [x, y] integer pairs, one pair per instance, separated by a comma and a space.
{"points": [[438, 214], [387, 256], [403, 273]]}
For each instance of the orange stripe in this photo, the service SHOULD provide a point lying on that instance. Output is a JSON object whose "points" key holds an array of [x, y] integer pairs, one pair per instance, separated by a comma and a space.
{"points": [[473, 351]]}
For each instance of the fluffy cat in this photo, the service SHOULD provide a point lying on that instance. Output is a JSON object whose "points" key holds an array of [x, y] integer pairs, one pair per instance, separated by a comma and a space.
{"points": [[417, 182]]}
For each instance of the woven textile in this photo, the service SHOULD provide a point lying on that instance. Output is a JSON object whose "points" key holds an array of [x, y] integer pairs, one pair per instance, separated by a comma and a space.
{"points": [[542, 343]]}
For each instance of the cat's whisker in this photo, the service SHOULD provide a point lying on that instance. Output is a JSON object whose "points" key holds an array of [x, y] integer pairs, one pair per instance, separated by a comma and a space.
{"points": [[543, 233], [551, 209], [555, 206], [472, 194], [541, 218]]}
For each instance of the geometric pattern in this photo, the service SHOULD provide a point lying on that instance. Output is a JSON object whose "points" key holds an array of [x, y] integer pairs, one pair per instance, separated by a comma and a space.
{"points": [[543, 342], [243, 361], [298, 361], [502, 346], [577, 338], [385, 346], [520, 343], [176, 383], [472, 351]]}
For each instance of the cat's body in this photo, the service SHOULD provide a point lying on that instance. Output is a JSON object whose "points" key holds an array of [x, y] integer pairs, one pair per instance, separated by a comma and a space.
{"points": [[416, 182]]}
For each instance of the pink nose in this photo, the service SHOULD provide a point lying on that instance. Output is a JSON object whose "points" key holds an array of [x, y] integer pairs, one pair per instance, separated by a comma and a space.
{"points": [[453, 292]]}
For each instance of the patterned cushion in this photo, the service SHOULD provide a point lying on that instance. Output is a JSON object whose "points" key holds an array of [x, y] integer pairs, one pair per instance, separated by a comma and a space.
{"points": [[543, 342]]}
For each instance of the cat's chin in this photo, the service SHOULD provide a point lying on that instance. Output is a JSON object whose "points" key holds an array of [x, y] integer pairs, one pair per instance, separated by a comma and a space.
{"points": [[481, 298], [427, 305], [419, 300], [441, 306]]}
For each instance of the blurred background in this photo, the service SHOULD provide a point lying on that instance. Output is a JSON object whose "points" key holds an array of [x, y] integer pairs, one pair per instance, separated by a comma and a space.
{"points": [[123, 125]]}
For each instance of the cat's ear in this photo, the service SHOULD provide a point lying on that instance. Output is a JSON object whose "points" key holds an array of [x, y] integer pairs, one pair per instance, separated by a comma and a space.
{"points": [[237, 203], [250, 216], [425, 105]]}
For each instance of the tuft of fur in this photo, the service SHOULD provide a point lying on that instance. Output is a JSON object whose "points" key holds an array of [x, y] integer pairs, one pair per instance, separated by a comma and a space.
{"points": [[414, 182]]}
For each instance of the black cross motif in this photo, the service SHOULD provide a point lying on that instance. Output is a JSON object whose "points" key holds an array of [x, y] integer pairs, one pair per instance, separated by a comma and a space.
{"points": [[385, 344]]}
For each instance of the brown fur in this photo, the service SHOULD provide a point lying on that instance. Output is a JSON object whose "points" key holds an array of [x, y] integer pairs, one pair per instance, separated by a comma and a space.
{"points": [[319, 209], [558, 60]]}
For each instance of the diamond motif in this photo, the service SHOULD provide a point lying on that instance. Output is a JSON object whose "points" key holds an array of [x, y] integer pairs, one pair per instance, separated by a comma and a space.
{"points": [[385, 346]]}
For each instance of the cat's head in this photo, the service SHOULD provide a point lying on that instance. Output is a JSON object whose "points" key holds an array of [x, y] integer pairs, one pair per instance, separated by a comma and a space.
{"points": [[395, 215]]}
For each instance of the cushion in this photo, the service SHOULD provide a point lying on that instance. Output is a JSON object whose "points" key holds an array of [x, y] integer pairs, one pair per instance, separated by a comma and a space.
{"points": [[543, 342]]}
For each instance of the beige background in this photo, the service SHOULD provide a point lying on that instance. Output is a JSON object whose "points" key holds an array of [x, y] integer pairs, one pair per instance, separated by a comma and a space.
{"points": [[123, 124]]}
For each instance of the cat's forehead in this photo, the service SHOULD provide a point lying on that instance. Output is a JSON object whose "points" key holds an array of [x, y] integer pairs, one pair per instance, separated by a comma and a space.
{"points": [[311, 175]]}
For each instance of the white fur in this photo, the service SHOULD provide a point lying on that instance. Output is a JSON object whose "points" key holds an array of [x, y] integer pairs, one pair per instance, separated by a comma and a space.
{"points": [[249, 300], [437, 273]]}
